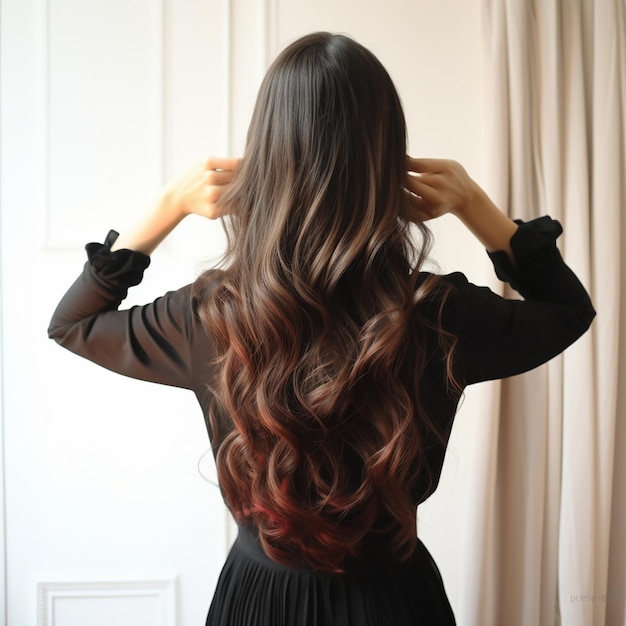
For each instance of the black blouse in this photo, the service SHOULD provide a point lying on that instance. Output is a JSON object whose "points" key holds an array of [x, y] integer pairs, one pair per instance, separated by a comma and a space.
{"points": [[165, 342]]}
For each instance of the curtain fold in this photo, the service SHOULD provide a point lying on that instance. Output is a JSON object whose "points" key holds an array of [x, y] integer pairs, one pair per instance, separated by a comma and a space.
{"points": [[553, 513]]}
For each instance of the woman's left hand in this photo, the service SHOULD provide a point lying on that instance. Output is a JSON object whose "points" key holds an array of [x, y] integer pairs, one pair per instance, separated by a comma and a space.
{"points": [[198, 189]]}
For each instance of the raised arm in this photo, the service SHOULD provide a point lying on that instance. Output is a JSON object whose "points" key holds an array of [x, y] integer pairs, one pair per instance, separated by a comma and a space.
{"points": [[440, 186], [151, 342], [499, 337]]}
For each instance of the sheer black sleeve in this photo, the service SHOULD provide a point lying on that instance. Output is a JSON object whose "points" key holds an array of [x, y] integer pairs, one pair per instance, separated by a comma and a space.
{"points": [[150, 342], [499, 337]]}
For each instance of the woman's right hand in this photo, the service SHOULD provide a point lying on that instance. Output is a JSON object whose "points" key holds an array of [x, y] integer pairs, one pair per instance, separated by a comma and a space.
{"points": [[436, 187]]}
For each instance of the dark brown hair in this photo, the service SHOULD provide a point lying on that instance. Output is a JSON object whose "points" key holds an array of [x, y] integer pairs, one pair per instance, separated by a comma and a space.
{"points": [[320, 353]]}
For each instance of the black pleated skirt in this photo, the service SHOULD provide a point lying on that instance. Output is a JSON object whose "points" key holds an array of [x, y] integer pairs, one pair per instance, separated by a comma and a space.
{"points": [[253, 590]]}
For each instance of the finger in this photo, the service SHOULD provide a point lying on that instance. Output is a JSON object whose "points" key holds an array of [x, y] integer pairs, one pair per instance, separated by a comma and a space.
{"points": [[222, 163], [416, 208], [214, 193], [419, 185], [207, 203], [424, 178], [218, 177], [431, 166], [429, 198]]}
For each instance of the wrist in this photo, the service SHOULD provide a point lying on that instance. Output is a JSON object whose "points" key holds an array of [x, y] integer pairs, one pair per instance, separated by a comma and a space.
{"points": [[476, 200], [164, 216], [169, 208]]}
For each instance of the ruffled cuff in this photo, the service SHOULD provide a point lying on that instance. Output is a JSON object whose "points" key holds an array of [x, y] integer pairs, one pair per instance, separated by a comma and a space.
{"points": [[123, 268], [534, 247]]}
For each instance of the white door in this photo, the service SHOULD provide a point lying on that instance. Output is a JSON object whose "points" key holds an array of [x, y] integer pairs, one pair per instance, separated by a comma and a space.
{"points": [[108, 520]]}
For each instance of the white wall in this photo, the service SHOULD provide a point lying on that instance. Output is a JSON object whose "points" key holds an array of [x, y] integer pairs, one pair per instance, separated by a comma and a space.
{"points": [[100, 472], [101, 103]]}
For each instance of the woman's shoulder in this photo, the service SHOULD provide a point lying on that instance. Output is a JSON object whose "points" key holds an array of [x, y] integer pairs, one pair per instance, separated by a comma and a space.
{"points": [[444, 299], [205, 286], [441, 289]]}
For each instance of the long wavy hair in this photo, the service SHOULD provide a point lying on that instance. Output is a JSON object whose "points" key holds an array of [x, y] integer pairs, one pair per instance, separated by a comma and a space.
{"points": [[317, 414]]}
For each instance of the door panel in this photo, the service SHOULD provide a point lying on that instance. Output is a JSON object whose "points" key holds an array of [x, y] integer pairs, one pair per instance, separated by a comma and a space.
{"points": [[106, 511]]}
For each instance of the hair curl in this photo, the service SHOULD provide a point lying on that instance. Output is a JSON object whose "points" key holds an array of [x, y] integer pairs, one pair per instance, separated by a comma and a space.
{"points": [[320, 345]]}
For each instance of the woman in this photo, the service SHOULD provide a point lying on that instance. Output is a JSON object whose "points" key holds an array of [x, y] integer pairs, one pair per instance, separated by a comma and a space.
{"points": [[328, 365]]}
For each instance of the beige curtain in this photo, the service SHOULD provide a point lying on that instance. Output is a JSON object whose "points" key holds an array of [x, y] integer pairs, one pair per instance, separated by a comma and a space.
{"points": [[547, 541]]}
